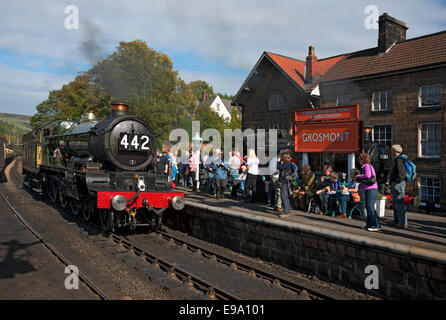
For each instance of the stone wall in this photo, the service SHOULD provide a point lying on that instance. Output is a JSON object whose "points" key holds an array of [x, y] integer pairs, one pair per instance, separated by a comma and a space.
{"points": [[404, 272]]}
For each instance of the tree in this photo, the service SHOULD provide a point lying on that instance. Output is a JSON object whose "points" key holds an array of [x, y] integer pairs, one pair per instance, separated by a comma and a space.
{"points": [[199, 87], [236, 120], [77, 97]]}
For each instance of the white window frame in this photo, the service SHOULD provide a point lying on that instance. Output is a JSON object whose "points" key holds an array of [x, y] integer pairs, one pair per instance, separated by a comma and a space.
{"points": [[380, 107], [391, 133], [341, 99], [420, 148], [429, 190], [278, 103], [420, 96]]}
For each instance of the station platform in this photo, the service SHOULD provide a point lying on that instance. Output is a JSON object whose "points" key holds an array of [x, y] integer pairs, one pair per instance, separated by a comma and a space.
{"points": [[426, 231]]}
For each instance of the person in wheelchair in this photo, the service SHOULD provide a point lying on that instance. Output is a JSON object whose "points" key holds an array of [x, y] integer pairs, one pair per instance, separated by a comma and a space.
{"points": [[322, 184], [303, 193], [331, 194], [349, 193]]}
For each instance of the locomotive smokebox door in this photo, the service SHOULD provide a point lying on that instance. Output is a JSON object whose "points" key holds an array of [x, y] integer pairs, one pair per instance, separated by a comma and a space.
{"points": [[123, 141]]}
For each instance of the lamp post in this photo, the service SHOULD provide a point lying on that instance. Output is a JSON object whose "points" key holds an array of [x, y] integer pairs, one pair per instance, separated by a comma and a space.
{"points": [[196, 147]]}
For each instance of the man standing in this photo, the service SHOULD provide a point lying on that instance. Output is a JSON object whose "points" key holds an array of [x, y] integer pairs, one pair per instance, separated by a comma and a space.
{"points": [[162, 164], [274, 186], [398, 183], [209, 187], [220, 169]]}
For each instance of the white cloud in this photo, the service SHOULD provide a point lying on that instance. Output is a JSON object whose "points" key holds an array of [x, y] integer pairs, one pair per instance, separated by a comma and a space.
{"points": [[21, 91], [220, 83], [230, 33]]}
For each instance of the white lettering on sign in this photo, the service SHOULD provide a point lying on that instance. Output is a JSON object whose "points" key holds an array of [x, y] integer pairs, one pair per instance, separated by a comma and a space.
{"points": [[325, 137]]}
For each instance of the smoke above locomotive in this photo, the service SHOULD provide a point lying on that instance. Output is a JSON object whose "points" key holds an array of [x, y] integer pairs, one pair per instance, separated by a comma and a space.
{"points": [[121, 142]]}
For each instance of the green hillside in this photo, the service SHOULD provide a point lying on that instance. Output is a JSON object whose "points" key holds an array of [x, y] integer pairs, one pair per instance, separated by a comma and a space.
{"points": [[21, 122]]}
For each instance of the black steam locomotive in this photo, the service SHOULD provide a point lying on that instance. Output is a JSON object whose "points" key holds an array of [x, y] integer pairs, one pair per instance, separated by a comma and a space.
{"points": [[105, 167]]}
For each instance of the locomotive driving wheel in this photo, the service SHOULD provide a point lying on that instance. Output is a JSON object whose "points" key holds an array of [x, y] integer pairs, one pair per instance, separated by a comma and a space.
{"points": [[107, 220], [75, 206], [63, 201], [88, 210]]}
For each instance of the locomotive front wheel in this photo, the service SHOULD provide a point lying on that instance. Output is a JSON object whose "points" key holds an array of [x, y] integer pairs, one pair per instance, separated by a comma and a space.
{"points": [[75, 206], [107, 220]]}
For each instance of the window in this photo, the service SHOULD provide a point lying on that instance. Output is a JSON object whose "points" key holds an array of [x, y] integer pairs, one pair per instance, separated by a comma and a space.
{"points": [[218, 107], [276, 102], [382, 100], [430, 96], [430, 190], [342, 100], [383, 134], [430, 140], [275, 126]]}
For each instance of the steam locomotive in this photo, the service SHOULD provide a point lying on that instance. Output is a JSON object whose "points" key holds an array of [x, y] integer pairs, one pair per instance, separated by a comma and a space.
{"points": [[101, 167], [5, 154]]}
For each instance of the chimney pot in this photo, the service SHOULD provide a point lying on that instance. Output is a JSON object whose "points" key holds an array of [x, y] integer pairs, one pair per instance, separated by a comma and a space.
{"points": [[311, 51]]}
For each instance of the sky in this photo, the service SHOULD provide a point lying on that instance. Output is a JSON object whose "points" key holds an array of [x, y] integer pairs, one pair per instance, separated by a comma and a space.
{"points": [[216, 41]]}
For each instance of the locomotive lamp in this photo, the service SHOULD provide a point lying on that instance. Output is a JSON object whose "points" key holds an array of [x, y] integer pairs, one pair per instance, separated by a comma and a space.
{"points": [[196, 147]]}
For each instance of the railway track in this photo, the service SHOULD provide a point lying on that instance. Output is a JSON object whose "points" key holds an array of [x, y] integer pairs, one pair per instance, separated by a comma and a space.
{"points": [[193, 283], [90, 284], [251, 270]]}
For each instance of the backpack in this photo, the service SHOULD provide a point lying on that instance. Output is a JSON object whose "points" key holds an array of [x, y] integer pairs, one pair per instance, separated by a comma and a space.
{"points": [[411, 168], [293, 175]]}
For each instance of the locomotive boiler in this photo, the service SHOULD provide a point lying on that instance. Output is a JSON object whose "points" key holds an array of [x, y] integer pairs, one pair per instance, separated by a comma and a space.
{"points": [[105, 167]]}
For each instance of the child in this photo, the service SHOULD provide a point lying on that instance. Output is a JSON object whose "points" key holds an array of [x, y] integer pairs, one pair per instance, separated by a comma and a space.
{"points": [[239, 182], [330, 194], [346, 195]]}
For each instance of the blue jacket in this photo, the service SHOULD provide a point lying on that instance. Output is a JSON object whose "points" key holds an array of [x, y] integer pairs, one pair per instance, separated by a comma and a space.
{"points": [[335, 186], [220, 172]]}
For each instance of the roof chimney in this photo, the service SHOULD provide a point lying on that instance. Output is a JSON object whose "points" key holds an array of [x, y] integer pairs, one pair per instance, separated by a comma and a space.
{"points": [[391, 30], [205, 95], [310, 64]]}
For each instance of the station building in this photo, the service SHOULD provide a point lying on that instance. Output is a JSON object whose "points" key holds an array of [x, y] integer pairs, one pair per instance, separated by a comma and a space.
{"points": [[399, 85]]}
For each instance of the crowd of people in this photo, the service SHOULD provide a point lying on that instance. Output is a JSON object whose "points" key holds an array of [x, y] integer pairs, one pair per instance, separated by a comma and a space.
{"points": [[330, 194]]}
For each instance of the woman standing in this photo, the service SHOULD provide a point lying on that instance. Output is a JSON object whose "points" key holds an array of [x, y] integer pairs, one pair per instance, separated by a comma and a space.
{"points": [[193, 167], [284, 167], [253, 171], [369, 186]]}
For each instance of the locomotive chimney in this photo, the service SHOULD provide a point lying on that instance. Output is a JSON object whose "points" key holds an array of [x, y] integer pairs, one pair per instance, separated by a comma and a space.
{"points": [[119, 108]]}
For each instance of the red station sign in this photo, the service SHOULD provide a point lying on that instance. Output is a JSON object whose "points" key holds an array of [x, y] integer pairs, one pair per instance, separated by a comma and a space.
{"points": [[331, 130]]}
